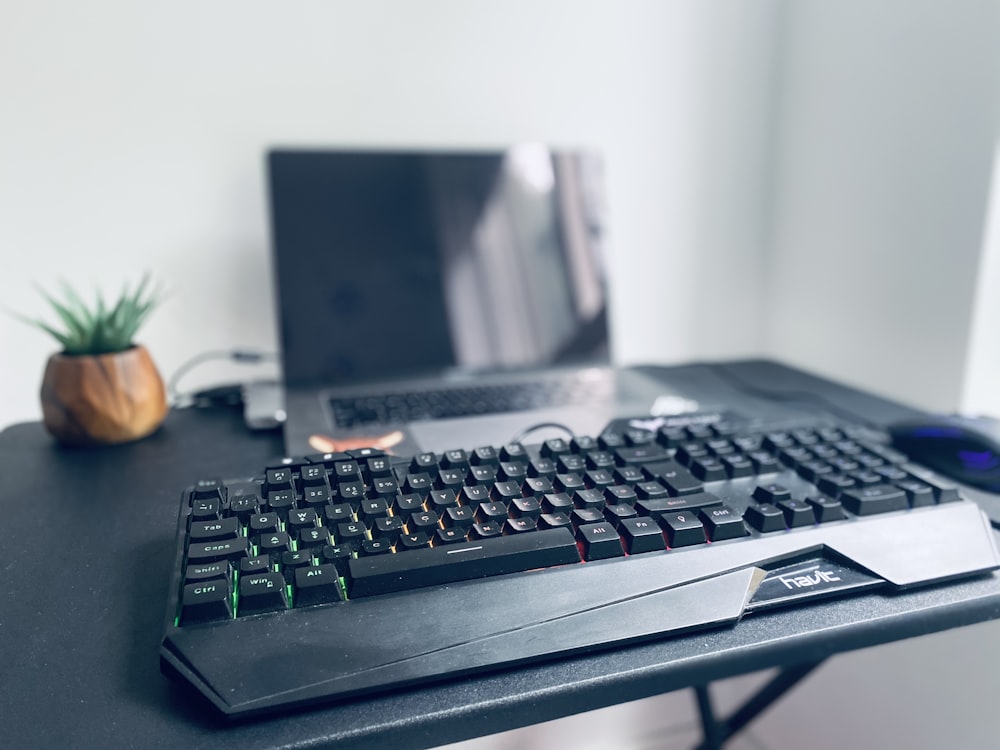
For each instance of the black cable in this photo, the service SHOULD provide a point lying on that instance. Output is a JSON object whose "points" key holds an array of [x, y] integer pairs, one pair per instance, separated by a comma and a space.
{"points": [[242, 356], [541, 426]]}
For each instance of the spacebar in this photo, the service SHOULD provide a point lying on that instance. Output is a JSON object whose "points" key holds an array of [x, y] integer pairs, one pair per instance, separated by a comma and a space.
{"points": [[381, 574]]}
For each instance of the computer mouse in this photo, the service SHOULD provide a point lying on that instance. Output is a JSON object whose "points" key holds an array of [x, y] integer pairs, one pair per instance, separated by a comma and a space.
{"points": [[965, 449]]}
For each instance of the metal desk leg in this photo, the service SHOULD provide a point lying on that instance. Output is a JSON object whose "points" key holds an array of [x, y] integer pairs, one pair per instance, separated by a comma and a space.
{"points": [[718, 732]]}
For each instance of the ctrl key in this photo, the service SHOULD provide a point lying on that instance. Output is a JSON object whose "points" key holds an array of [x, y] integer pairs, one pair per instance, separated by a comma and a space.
{"points": [[206, 601]]}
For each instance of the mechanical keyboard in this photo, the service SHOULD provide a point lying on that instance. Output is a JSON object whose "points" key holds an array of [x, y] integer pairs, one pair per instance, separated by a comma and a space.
{"points": [[339, 574]]}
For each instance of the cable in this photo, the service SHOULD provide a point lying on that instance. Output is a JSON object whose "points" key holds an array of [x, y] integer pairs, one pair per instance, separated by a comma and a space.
{"points": [[242, 356], [540, 426]]}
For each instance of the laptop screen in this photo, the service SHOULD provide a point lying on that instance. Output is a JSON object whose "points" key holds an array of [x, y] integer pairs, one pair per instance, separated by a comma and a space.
{"points": [[391, 264]]}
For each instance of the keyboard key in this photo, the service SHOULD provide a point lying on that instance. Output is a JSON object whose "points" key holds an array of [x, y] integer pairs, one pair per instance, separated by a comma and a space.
{"points": [[449, 535], [504, 492], [474, 495], [230, 549], [641, 535], [944, 491], [485, 455], [557, 502], [205, 509], [427, 520], [208, 489], [244, 506], [262, 592], [583, 444], [536, 487], [834, 484], [278, 479], [770, 493], [764, 517], [338, 556], [588, 499], [317, 584], [203, 531], [485, 530], [722, 522], [797, 513], [656, 507], [864, 501], [455, 459], [291, 561], [438, 500], [413, 541], [520, 525], [617, 513], [571, 464], [333, 515], [554, 521], [208, 571], [650, 490], [599, 541], [313, 537], [584, 516], [568, 483], [513, 452], [542, 467], [620, 493], [301, 519], [737, 465], [206, 601], [313, 475], [763, 462], [391, 527], [826, 508], [917, 493], [708, 469], [641, 454], [440, 565], [555, 447], [274, 543], [485, 474], [525, 506], [677, 479], [682, 529]]}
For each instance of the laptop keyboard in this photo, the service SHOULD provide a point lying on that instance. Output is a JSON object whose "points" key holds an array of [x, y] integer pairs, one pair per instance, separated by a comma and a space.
{"points": [[463, 401], [335, 570]]}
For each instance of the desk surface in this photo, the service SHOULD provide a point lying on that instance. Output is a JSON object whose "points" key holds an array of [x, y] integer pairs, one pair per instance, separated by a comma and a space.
{"points": [[87, 551]]}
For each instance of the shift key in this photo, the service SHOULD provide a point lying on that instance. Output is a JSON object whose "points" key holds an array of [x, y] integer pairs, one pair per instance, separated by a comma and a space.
{"points": [[381, 574]]}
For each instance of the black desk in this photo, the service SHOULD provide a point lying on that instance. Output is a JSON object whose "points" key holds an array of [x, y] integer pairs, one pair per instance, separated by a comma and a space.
{"points": [[88, 542]]}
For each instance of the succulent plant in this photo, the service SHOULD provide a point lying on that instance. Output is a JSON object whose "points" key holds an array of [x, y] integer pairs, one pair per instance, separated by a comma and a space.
{"points": [[99, 328]]}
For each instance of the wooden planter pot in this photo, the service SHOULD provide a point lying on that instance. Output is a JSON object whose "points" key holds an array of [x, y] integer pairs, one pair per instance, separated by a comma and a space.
{"points": [[102, 399]]}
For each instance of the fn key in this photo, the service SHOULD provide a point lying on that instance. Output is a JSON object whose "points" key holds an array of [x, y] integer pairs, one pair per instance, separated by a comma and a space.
{"points": [[722, 522]]}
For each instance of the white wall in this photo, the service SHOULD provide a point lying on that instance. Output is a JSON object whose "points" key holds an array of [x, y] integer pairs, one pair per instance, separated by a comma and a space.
{"points": [[887, 119], [131, 139]]}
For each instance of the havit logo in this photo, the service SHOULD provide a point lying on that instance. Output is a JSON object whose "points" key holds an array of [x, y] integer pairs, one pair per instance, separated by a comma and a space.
{"points": [[807, 578]]}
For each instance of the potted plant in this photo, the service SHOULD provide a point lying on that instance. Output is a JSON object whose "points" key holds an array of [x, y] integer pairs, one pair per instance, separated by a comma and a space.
{"points": [[102, 388]]}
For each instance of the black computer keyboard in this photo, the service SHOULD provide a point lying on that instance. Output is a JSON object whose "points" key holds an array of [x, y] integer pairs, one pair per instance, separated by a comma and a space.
{"points": [[333, 575], [463, 401]]}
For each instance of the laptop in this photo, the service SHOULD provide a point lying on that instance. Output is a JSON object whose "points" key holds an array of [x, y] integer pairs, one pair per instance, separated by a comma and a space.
{"points": [[417, 290]]}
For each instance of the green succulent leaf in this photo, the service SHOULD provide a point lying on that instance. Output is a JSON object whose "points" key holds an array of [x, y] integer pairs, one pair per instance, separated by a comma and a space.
{"points": [[98, 328]]}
